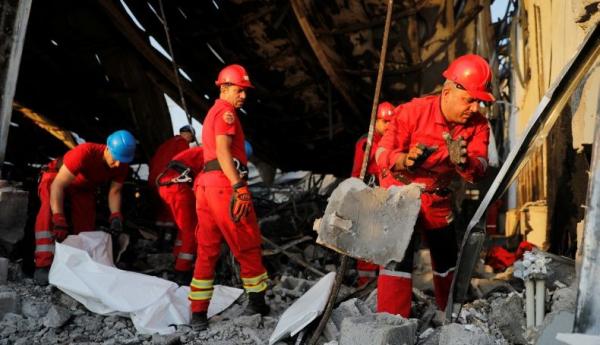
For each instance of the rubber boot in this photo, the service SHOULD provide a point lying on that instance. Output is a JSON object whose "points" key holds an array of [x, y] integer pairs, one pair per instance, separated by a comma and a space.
{"points": [[40, 276], [199, 321], [257, 304]]}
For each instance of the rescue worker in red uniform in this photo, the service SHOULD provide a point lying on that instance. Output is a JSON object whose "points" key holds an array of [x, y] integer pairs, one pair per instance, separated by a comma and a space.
{"points": [[76, 176], [158, 163], [175, 189], [224, 203], [431, 141], [385, 111]]}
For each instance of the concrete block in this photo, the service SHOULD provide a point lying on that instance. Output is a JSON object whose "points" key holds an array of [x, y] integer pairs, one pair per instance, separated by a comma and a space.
{"points": [[3, 270], [292, 286], [9, 303], [378, 329], [554, 323], [56, 317], [508, 315], [34, 309], [564, 299], [13, 214], [348, 308], [457, 334], [374, 224]]}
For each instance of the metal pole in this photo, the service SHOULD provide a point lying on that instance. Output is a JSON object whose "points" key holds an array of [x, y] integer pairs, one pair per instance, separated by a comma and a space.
{"points": [[14, 15], [341, 272], [587, 312]]}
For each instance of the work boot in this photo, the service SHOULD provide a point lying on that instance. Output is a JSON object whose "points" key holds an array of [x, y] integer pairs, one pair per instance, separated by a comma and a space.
{"points": [[183, 278], [199, 321], [257, 304], [40, 276]]}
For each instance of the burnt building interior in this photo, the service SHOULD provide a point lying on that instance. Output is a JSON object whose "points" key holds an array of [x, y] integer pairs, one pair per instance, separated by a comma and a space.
{"points": [[90, 67]]}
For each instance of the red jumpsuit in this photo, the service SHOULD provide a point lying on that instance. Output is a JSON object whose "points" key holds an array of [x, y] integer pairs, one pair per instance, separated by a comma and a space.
{"points": [[213, 195], [366, 270], [182, 205], [163, 155], [421, 121], [86, 163]]}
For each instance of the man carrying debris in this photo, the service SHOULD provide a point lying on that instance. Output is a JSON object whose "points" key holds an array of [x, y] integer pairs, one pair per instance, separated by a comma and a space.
{"points": [[385, 112], [431, 141], [75, 176], [223, 201], [175, 189], [158, 163]]}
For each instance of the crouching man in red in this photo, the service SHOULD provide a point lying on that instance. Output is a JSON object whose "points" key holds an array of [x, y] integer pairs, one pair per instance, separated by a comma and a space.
{"points": [[385, 111], [223, 201], [175, 189], [431, 141], [76, 176]]}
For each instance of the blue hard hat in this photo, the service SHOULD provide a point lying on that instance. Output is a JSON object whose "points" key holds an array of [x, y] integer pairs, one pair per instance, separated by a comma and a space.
{"points": [[248, 148], [188, 128], [121, 145]]}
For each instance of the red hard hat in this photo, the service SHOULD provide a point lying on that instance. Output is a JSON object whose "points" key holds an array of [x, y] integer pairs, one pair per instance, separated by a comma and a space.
{"points": [[385, 111], [473, 74], [234, 74]]}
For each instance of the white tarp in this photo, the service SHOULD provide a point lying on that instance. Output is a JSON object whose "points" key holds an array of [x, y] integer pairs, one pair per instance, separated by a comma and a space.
{"points": [[83, 268], [304, 310]]}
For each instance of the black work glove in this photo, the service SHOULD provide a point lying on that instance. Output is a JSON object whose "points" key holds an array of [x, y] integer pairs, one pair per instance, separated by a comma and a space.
{"points": [[417, 155], [116, 223]]}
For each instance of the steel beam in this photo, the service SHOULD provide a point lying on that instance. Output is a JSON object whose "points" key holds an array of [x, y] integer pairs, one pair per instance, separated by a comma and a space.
{"points": [[587, 312], [14, 15]]}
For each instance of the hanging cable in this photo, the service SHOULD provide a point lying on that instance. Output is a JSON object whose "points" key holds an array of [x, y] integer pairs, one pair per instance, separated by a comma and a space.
{"points": [[163, 20]]}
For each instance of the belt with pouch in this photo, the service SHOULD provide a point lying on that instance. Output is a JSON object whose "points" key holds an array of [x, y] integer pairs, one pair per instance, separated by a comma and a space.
{"points": [[214, 165]]}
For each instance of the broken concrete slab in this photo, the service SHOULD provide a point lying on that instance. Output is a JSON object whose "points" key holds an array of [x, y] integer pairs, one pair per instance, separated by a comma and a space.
{"points": [[346, 309], [456, 334], [9, 303], [508, 315], [374, 224], [56, 317], [578, 339], [554, 323], [378, 329], [13, 214], [564, 299]]}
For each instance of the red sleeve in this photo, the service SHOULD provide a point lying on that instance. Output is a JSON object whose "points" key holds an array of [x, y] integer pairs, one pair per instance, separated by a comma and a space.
{"points": [[396, 139], [225, 122], [477, 152], [75, 158], [359, 153]]}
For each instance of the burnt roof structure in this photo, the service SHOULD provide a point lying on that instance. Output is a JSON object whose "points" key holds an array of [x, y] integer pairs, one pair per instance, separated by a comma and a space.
{"points": [[90, 67]]}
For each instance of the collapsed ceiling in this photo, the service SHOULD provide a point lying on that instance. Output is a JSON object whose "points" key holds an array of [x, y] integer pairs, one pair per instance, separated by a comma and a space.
{"points": [[90, 67]]}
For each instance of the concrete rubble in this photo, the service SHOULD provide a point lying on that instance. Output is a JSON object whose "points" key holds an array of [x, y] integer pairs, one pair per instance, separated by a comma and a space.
{"points": [[32, 314], [357, 215], [13, 215]]}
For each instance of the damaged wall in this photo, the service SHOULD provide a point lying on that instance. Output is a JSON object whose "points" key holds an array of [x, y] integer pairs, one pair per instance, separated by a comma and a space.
{"points": [[545, 38]]}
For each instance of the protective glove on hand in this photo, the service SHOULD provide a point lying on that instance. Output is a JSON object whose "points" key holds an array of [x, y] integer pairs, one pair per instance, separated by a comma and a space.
{"points": [[241, 201], [60, 229], [116, 223], [457, 150], [417, 155]]}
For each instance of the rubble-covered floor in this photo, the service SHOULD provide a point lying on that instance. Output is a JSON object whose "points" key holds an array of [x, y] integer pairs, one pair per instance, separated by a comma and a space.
{"points": [[44, 315]]}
